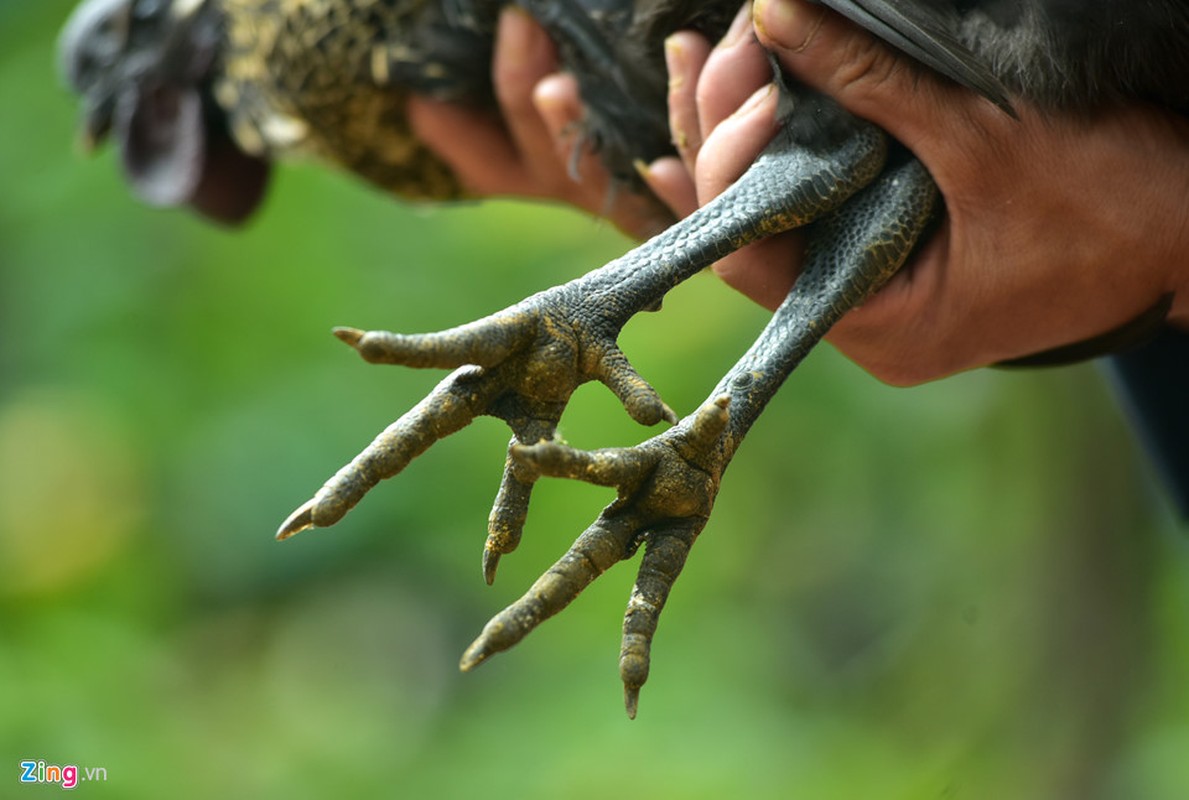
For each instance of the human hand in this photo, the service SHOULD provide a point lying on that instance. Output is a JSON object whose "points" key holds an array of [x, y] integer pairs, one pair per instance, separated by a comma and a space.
{"points": [[1058, 227], [529, 150]]}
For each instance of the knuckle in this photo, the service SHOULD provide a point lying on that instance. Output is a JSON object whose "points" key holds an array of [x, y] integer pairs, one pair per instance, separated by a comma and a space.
{"points": [[867, 64]]}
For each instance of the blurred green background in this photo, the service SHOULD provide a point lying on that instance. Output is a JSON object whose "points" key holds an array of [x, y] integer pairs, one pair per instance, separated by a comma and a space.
{"points": [[964, 590]]}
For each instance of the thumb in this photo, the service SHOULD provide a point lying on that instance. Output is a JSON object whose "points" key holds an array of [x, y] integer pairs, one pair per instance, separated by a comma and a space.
{"points": [[869, 78]]}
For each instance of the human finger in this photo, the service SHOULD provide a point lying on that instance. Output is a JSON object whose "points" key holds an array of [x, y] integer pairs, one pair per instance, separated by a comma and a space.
{"points": [[733, 71], [872, 80], [685, 56], [763, 271], [474, 144], [576, 170], [672, 183], [523, 57]]}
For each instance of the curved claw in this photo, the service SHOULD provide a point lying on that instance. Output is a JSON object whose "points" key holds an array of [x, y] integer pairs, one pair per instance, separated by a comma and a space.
{"points": [[664, 556], [605, 543], [485, 342], [508, 514], [448, 408], [642, 402], [351, 336], [667, 487], [530, 358], [491, 562], [300, 520]]}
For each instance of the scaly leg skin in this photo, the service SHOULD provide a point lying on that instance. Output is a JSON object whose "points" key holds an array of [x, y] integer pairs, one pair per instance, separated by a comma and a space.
{"points": [[667, 485], [523, 363]]}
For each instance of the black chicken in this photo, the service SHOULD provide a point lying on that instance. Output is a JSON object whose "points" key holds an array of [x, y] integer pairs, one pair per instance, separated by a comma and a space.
{"points": [[201, 94]]}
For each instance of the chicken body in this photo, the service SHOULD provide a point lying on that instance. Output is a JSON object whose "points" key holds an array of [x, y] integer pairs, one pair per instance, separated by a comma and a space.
{"points": [[330, 79]]}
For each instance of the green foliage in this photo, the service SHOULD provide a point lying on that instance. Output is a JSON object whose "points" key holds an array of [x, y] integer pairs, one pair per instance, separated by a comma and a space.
{"points": [[959, 590]]}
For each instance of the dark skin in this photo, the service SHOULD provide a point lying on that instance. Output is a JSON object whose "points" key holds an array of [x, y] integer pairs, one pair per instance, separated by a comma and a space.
{"points": [[1027, 219]]}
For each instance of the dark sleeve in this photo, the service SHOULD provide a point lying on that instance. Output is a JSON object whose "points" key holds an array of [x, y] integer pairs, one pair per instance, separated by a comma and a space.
{"points": [[1152, 382]]}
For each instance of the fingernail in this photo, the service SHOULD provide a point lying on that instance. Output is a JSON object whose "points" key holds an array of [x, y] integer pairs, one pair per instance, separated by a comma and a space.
{"points": [[740, 26], [642, 170], [675, 62], [555, 99], [782, 24]]}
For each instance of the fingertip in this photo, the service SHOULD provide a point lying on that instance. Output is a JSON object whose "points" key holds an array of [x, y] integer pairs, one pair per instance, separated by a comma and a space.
{"points": [[672, 183], [685, 52], [559, 103], [516, 29], [868, 77], [685, 56], [787, 24], [740, 27], [523, 54], [735, 143], [730, 74]]}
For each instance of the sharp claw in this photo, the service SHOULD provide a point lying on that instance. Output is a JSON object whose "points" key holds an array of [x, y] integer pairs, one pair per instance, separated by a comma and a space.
{"points": [[642, 402], [631, 700], [505, 524], [648, 410], [491, 560], [300, 520], [604, 543], [709, 423], [669, 414], [351, 336], [475, 655]]}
